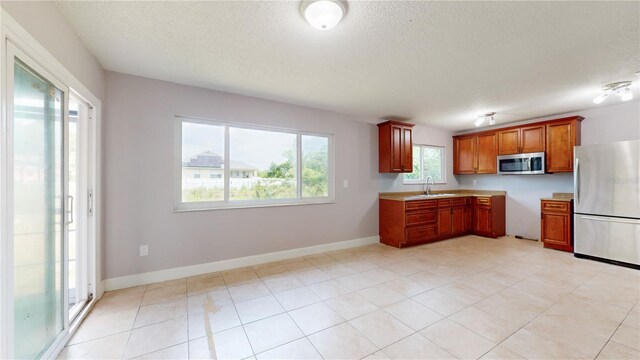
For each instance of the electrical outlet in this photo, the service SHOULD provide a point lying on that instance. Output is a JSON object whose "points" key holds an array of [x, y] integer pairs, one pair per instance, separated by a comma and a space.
{"points": [[475, 182], [345, 183], [144, 250]]}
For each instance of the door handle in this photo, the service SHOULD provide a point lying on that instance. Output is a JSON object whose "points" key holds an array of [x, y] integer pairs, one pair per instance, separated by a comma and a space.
{"points": [[608, 219], [70, 202], [576, 181]]}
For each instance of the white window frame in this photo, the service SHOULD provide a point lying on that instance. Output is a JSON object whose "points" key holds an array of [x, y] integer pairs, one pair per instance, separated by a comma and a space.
{"points": [[226, 203], [422, 179]]}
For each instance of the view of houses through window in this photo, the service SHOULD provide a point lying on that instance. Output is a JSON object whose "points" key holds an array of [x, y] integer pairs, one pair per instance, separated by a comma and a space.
{"points": [[427, 161], [263, 165]]}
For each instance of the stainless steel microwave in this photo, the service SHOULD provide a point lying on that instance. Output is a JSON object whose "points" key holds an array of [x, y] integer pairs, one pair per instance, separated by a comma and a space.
{"points": [[528, 164]]}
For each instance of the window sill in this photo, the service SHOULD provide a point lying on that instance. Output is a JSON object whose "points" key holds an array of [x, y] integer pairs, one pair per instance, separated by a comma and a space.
{"points": [[235, 206]]}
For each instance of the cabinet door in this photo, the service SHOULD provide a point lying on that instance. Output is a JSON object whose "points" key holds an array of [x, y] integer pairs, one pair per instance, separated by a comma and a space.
{"points": [[396, 148], [482, 221], [487, 153], [444, 222], [464, 149], [560, 143], [556, 229], [407, 150], [532, 139], [509, 142], [457, 220], [468, 219]]}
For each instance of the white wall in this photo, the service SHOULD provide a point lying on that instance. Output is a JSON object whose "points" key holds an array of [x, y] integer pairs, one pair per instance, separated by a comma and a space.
{"points": [[46, 23], [138, 140], [605, 124]]}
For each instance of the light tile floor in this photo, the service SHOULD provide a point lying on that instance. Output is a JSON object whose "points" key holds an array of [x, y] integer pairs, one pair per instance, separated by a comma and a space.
{"points": [[465, 298]]}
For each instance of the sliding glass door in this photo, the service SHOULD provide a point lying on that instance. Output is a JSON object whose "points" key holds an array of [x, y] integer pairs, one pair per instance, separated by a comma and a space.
{"points": [[39, 203], [49, 169]]}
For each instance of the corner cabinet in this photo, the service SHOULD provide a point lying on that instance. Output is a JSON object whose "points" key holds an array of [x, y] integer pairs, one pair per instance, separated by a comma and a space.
{"points": [[475, 154], [414, 222], [395, 147], [556, 224], [562, 135]]}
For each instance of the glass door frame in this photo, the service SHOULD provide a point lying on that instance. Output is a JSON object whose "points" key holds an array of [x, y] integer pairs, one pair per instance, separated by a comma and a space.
{"points": [[13, 52], [11, 31]]}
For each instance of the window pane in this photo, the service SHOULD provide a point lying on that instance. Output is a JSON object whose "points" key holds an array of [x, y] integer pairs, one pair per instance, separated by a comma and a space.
{"points": [[315, 166], [415, 175], [263, 164], [202, 162], [433, 163]]}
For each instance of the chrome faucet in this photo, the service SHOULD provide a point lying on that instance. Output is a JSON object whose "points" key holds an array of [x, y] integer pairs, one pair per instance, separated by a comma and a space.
{"points": [[428, 189]]}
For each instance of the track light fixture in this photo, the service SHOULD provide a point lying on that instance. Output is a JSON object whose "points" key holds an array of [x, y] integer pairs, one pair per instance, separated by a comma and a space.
{"points": [[621, 88], [488, 116]]}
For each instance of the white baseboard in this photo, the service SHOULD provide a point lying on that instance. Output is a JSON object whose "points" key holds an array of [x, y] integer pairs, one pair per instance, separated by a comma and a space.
{"points": [[199, 269]]}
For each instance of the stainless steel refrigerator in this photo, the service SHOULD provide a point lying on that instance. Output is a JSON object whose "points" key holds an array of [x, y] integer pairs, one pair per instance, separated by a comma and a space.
{"points": [[607, 202]]}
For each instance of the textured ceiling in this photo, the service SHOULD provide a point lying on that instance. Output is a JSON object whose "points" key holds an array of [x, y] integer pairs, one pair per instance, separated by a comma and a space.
{"points": [[437, 63]]}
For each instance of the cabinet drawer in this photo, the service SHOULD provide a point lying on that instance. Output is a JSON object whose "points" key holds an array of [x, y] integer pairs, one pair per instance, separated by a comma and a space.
{"points": [[421, 233], [444, 203], [420, 204], [420, 217], [458, 201], [561, 206], [483, 201]]}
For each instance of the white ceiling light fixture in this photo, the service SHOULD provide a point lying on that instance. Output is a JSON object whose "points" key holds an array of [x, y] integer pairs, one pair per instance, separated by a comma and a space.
{"points": [[621, 88], [323, 14], [485, 117]]}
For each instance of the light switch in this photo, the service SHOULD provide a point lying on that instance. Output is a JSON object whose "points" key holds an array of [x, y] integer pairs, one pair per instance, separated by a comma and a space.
{"points": [[345, 183], [144, 250]]}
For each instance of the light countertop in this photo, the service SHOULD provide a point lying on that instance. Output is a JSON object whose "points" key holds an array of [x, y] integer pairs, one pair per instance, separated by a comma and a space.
{"points": [[559, 197], [418, 195]]}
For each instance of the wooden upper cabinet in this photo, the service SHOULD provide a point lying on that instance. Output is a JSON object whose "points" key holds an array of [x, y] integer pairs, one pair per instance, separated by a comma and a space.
{"points": [[487, 154], [395, 147], [532, 139], [464, 149], [407, 149], [562, 136], [475, 154], [526, 139], [509, 142]]}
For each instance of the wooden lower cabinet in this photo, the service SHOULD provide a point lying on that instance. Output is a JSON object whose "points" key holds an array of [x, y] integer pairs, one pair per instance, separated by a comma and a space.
{"points": [[489, 216], [457, 220], [406, 223], [556, 225]]}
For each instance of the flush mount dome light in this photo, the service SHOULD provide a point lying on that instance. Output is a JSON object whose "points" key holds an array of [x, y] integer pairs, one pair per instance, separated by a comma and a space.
{"points": [[323, 14]]}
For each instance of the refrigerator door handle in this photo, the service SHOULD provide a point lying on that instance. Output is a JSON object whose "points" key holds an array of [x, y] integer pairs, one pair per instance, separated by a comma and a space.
{"points": [[609, 219], [576, 181]]}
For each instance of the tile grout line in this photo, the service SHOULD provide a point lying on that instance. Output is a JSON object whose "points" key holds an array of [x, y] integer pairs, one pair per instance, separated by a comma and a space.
{"points": [[134, 323], [238, 314], [614, 332]]}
